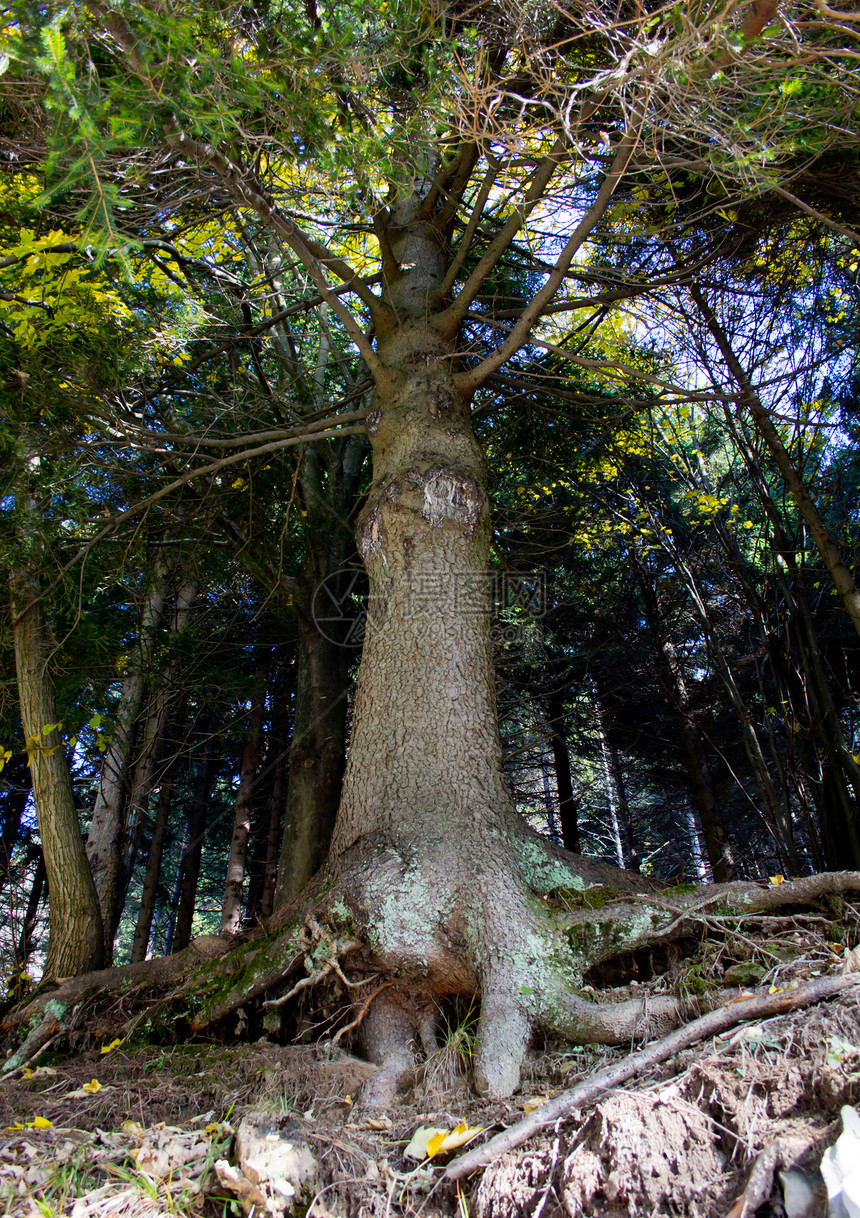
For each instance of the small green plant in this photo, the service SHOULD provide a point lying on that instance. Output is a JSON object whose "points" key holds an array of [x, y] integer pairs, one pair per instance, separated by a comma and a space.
{"points": [[451, 1063]]}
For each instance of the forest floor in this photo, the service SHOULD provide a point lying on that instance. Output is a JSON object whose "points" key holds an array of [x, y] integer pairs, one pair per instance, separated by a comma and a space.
{"points": [[147, 1131]]}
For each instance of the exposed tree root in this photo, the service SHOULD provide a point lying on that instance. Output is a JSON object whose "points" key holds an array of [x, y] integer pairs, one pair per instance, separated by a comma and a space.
{"points": [[524, 954], [735, 1012]]}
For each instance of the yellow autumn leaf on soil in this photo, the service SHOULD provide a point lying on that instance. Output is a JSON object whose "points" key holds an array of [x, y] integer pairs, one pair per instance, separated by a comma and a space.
{"points": [[417, 1148], [775, 880], [110, 1048], [93, 1087], [535, 1102], [441, 1140], [40, 1123]]}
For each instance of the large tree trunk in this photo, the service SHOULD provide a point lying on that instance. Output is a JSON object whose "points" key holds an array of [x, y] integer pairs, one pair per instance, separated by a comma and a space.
{"points": [[76, 929], [426, 840]]}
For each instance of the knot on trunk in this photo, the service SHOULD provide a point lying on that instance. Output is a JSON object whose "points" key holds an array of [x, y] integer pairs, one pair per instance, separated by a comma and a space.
{"points": [[450, 494]]}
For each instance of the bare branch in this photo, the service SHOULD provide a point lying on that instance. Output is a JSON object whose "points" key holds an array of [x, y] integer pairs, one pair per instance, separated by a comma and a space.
{"points": [[469, 381]]}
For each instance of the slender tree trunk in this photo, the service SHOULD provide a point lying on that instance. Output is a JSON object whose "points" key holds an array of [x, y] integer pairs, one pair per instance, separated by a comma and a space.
{"points": [[699, 864], [827, 547], [76, 930], [17, 779], [608, 787], [317, 756], [37, 888], [698, 771], [567, 813], [267, 837], [231, 908], [106, 837], [145, 772], [548, 797], [625, 822], [170, 771], [189, 863]]}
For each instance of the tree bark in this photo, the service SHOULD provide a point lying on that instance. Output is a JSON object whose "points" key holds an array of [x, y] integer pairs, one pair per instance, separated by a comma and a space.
{"points": [[106, 837], [75, 944], [231, 908], [567, 812], [170, 771], [192, 850], [317, 758]]}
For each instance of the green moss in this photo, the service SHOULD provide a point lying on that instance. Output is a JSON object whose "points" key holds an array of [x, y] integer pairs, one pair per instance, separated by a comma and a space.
{"points": [[697, 980], [233, 978], [745, 973], [541, 872], [341, 915]]}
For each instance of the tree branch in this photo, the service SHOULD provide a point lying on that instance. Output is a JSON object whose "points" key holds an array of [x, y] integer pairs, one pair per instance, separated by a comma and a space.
{"points": [[469, 381], [457, 310]]}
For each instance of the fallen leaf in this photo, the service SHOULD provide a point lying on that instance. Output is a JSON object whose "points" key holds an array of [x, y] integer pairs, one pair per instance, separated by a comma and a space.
{"points": [[535, 1102], [88, 1089], [114, 1044], [775, 880], [851, 961], [40, 1123], [417, 1148]]}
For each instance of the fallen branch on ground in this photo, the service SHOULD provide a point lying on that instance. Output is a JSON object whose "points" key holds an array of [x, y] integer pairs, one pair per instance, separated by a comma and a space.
{"points": [[761, 1006]]}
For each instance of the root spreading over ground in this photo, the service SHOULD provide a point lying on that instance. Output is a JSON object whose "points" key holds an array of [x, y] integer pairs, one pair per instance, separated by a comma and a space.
{"points": [[716, 1125]]}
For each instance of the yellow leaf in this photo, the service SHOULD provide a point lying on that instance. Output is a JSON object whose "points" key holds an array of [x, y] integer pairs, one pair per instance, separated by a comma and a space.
{"points": [[417, 1148], [114, 1044], [93, 1087], [775, 880], [435, 1143], [28, 1073], [40, 1123], [458, 1136], [533, 1103]]}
